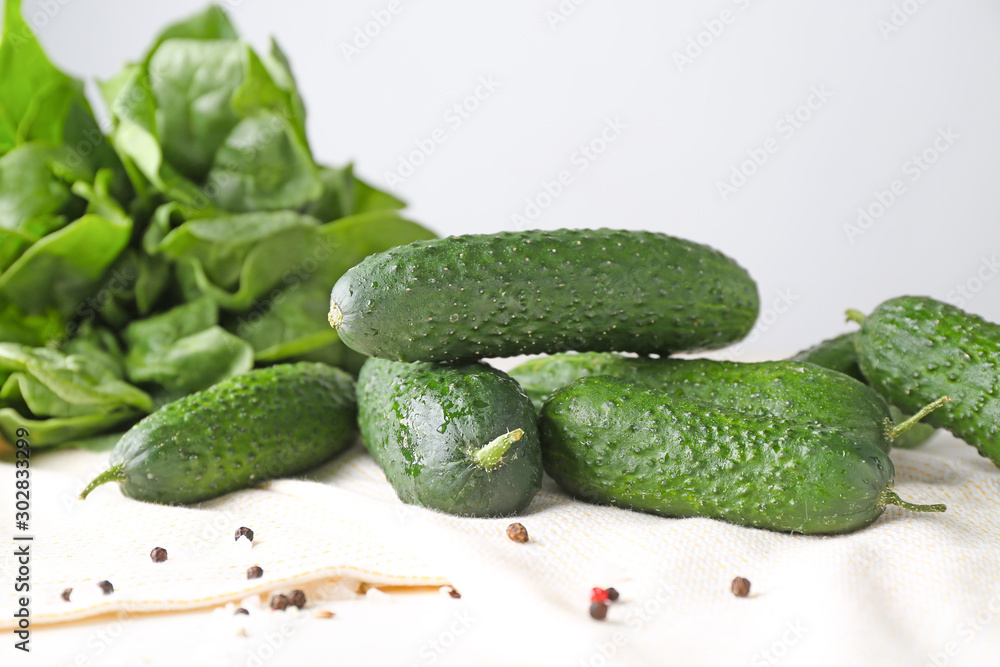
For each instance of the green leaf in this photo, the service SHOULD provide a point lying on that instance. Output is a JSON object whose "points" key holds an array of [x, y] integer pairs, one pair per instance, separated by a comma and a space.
{"points": [[60, 430], [183, 350], [211, 124], [98, 345], [52, 384], [239, 258], [39, 103], [25, 75], [29, 190], [343, 194], [213, 23], [292, 323], [58, 272], [262, 166]]}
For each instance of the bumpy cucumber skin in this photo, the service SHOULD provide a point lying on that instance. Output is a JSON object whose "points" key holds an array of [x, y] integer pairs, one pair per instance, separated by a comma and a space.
{"points": [[608, 441], [915, 350], [496, 295], [268, 423], [797, 391], [840, 354], [420, 421]]}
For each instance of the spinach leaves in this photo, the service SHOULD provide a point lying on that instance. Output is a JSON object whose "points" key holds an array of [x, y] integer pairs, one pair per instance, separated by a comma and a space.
{"points": [[192, 239]]}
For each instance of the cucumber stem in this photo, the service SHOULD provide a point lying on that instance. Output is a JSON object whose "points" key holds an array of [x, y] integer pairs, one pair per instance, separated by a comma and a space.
{"points": [[899, 429], [336, 316], [890, 497], [855, 316], [490, 456], [115, 473]]}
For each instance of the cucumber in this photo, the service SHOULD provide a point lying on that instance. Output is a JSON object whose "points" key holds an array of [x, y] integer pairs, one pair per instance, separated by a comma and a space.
{"points": [[495, 295], [458, 439], [913, 347], [268, 423], [800, 392], [608, 441], [839, 354]]}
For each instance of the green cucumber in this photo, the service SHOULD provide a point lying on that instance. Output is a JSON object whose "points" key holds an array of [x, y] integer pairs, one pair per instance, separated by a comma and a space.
{"points": [[272, 422], [837, 354], [458, 439], [608, 441], [840, 354], [793, 390], [495, 295], [913, 347]]}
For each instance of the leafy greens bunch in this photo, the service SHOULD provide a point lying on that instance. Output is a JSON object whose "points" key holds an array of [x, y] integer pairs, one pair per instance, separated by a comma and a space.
{"points": [[194, 239]]}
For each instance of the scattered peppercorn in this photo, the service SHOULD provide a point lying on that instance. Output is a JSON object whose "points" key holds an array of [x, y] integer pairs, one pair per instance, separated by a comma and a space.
{"points": [[279, 602], [254, 572], [598, 595], [598, 610], [612, 594], [741, 587], [241, 610], [159, 554], [454, 593], [66, 593], [243, 531], [297, 598], [518, 533], [106, 587]]}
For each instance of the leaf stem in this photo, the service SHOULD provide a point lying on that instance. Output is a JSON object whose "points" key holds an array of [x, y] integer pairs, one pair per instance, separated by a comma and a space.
{"points": [[491, 456], [898, 429], [115, 473], [855, 316], [890, 497]]}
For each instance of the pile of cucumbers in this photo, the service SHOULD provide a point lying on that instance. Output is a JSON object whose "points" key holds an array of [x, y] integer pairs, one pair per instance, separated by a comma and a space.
{"points": [[800, 445]]}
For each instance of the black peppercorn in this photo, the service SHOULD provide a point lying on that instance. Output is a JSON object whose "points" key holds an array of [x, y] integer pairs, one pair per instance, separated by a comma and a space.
{"points": [[159, 554], [244, 531], [741, 587], [598, 610], [517, 533], [66, 593], [297, 598], [241, 610], [279, 602], [254, 572], [106, 587], [613, 594]]}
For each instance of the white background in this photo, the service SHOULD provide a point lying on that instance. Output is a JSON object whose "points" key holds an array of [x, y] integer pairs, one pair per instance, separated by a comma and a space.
{"points": [[893, 86]]}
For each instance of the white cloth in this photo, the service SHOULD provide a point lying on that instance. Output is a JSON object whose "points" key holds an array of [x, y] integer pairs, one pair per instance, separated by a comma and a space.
{"points": [[912, 589]]}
